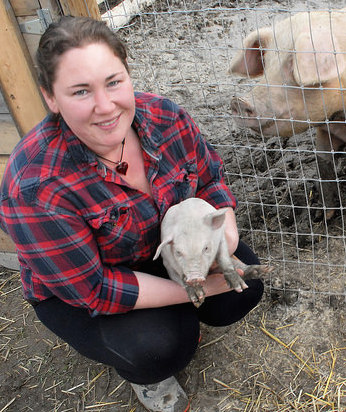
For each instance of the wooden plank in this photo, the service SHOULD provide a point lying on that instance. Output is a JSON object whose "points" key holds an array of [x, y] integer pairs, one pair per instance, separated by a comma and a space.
{"points": [[9, 135], [25, 7], [16, 78], [88, 8], [53, 6]]}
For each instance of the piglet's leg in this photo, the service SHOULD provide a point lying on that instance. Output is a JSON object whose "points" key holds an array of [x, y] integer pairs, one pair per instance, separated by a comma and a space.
{"points": [[251, 270], [228, 269], [196, 294]]}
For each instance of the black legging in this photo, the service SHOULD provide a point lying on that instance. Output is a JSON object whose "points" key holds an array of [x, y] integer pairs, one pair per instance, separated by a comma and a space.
{"points": [[148, 345]]}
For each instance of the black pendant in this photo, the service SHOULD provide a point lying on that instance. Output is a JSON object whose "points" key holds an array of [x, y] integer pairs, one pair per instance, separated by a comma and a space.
{"points": [[122, 168]]}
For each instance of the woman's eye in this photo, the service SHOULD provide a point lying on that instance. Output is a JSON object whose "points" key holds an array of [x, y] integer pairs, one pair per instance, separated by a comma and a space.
{"points": [[113, 83], [82, 92]]}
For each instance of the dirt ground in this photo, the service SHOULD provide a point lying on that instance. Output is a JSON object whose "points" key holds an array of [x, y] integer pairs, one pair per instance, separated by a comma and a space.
{"points": [[289, 353]]}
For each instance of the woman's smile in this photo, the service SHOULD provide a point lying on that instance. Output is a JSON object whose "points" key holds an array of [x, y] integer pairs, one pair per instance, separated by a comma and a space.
{"points": [[108, 124]]}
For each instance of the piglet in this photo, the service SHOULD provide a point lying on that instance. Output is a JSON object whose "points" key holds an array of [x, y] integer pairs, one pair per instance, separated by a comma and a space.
{"points": [[192, 240]]}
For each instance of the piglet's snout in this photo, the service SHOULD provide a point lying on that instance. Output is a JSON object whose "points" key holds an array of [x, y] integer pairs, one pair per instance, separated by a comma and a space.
{"points": [[194, 279]]}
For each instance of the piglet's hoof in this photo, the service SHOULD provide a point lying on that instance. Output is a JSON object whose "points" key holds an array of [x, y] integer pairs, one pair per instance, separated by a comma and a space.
{"points": [[196, 295], [235, 281], [197, 303]]}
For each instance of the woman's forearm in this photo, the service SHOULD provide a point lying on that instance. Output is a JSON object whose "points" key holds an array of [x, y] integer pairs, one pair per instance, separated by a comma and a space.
{"points": [[157, 292], [231, 231]]}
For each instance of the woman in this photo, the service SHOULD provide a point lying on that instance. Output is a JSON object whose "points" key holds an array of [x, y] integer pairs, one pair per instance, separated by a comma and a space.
{"points": [[83, 196]]}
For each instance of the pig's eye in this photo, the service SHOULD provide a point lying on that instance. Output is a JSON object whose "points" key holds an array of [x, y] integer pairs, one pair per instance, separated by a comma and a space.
{"points": [[206, 249], [178, 253]]}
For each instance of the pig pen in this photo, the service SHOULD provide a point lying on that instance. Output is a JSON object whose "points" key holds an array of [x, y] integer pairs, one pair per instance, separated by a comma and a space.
{"points": [[289, 353]]}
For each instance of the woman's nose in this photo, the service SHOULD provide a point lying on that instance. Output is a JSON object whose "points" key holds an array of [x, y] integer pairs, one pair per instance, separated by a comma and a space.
{"points": [[103, 102]]}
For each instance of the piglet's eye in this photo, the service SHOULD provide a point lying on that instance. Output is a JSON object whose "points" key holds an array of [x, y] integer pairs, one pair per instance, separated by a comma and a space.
{"points": [[178, 253], [206, 249]]}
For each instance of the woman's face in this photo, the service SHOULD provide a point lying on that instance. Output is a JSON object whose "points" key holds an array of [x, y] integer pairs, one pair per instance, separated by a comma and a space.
{"points": [[93, 92]]}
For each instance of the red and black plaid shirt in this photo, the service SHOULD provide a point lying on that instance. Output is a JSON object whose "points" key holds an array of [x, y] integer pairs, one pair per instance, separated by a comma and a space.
{"points": [[79, 229]]}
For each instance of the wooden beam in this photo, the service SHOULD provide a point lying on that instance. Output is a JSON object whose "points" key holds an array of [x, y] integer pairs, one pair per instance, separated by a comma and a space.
{"points": [[87, 8], [25, 7], [16, 78]]}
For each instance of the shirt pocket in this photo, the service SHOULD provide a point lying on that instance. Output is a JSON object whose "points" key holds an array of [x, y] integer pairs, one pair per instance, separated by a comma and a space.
{"points": [[116, 234], [181, 185]]}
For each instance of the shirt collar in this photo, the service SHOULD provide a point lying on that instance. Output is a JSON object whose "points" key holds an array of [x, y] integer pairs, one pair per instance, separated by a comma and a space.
{"points": [[79, 152]]}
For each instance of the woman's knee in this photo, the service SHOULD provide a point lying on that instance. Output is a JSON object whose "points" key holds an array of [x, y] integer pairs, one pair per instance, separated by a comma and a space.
{"points": [[156, 359], [155, 344]]}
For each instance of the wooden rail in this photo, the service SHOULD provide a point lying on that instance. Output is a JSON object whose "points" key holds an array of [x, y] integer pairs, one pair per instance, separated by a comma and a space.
{"points": [[17, 82]]}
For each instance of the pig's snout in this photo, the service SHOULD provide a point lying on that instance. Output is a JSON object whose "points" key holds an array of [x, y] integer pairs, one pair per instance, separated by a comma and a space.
{"points": [[241, 108], [194, 280], [245, 115]]}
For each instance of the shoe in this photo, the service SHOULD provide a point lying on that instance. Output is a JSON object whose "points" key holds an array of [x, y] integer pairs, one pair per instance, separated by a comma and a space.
{"points": [[165, 396]]}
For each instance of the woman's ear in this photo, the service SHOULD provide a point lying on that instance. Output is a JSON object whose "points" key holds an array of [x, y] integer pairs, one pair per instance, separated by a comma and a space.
{"points": [[50, 100]]}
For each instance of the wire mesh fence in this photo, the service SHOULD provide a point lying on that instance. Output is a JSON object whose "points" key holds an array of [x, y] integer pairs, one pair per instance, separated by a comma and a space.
{"points": [[271, 127]]}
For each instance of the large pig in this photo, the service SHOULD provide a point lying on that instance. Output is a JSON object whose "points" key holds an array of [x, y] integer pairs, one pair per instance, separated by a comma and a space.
{"points": [[192, 239], [302, 64]]}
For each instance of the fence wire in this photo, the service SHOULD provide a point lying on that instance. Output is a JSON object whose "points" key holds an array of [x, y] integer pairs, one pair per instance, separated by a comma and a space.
{"points": [[183, 49]]}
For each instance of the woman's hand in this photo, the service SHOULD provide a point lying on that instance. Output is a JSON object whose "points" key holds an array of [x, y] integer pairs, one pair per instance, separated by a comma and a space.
{"points": [[215, 284]]}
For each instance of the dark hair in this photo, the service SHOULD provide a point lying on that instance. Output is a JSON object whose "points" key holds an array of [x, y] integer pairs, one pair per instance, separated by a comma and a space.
{"points": [[68, 33]]}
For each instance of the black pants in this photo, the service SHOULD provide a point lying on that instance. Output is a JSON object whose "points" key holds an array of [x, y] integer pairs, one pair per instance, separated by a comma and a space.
{"points": [[148, 345]]}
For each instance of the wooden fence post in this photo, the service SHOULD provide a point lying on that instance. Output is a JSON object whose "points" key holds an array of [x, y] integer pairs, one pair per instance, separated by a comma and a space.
{"points": [[17, 81]]}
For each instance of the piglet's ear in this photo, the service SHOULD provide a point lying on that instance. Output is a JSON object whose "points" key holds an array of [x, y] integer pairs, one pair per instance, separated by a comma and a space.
{"points": [[250, 60], [161, 246], [215, 219], [318, 58]]}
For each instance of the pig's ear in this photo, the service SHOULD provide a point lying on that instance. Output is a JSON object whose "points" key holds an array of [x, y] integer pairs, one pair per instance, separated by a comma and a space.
{"points": [[250, 60], [318, 60], [161, 246], [216, 219]]}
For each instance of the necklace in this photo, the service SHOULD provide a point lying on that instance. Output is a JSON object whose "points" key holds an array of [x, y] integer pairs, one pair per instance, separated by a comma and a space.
{"points": [[121, 167]]}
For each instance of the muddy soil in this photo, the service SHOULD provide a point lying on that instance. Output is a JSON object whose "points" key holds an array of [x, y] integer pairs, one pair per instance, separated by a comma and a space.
{"points": [[289, 353]]}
